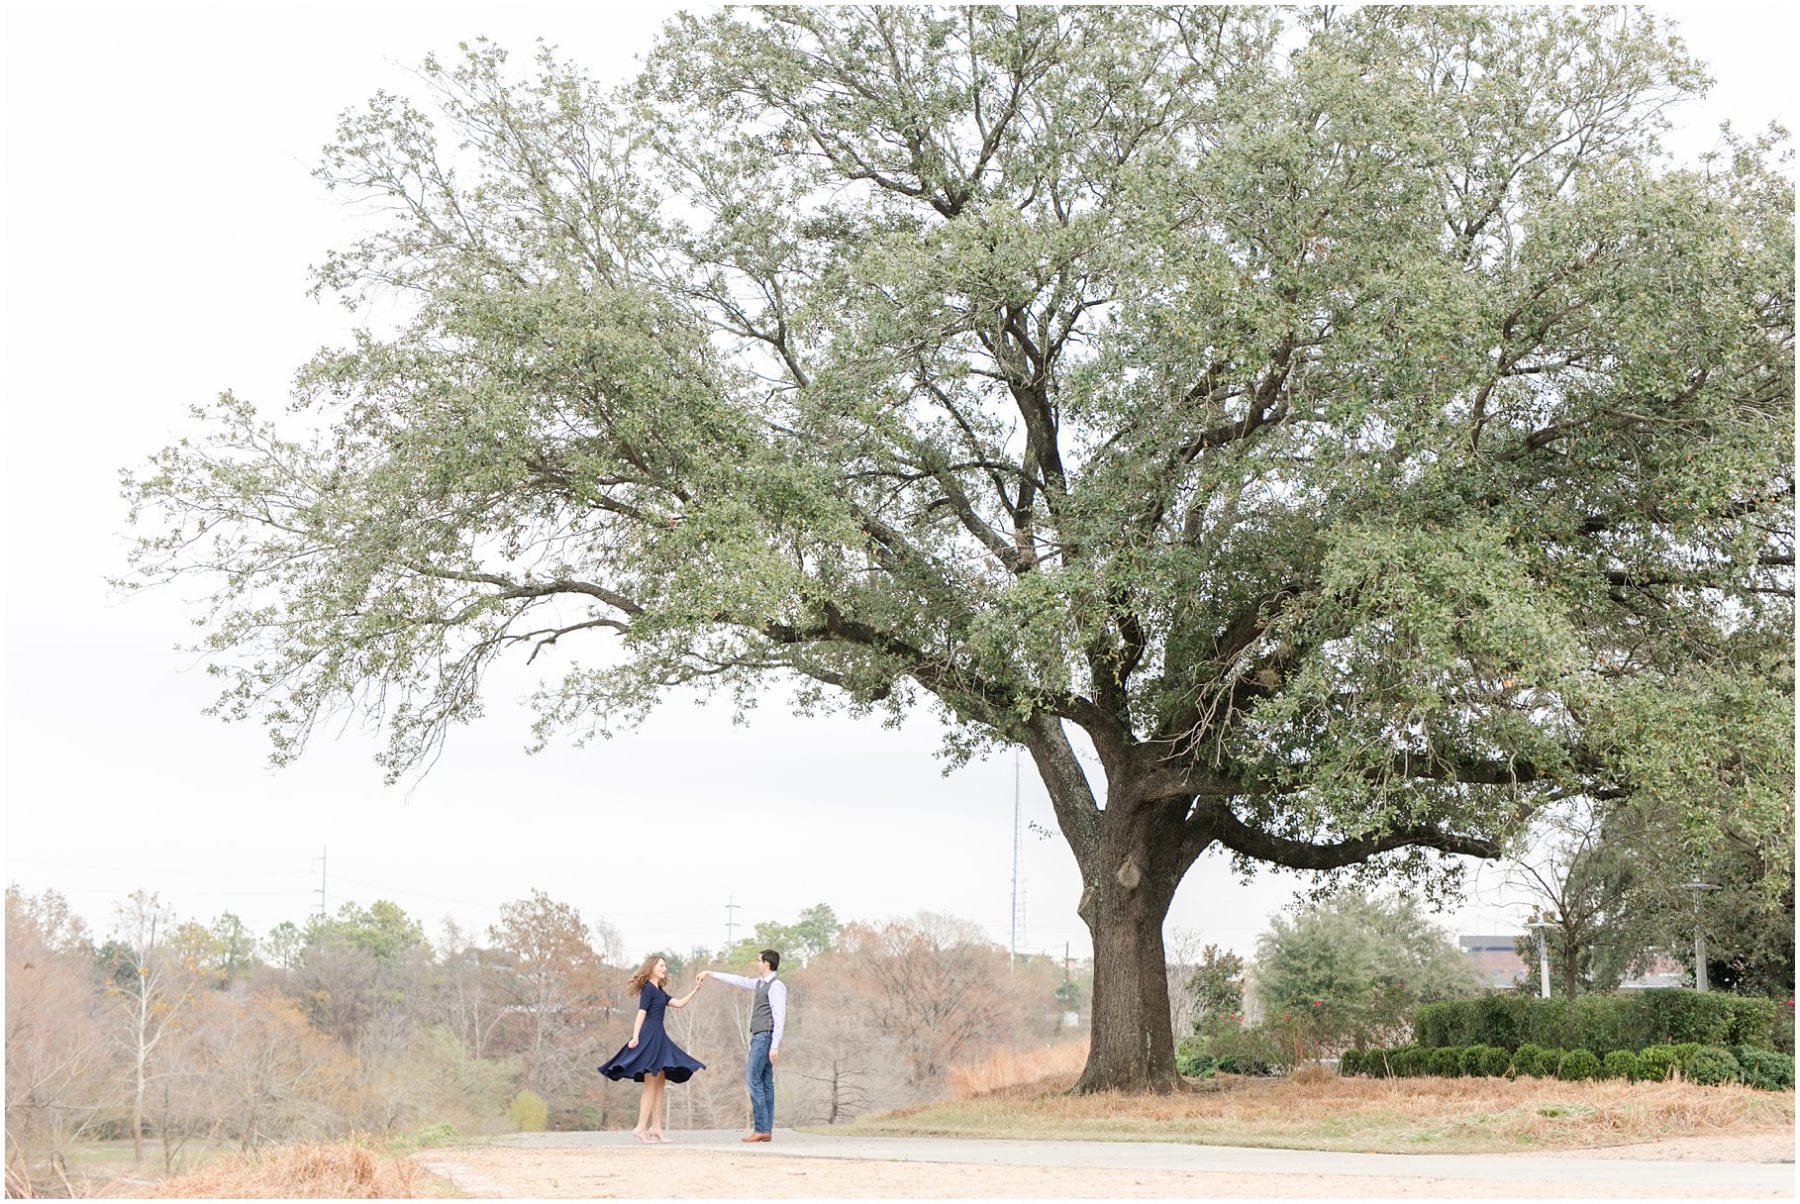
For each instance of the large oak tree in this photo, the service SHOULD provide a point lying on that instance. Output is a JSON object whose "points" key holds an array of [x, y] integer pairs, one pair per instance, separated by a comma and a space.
{"points": [[1349, 425]]}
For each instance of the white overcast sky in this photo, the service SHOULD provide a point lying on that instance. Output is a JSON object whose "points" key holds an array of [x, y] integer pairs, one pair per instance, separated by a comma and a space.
{"points": [[159, 221]]}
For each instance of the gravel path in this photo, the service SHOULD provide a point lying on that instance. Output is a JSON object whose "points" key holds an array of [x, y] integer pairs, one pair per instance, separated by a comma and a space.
{"points": [[800, 1165]]}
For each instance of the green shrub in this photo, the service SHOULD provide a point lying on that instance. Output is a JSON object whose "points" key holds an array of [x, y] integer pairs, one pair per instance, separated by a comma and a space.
{"points": [[1765, 1069], [1379, 1063], [1690, 1017], [1349, 1063], [1753, 1021], [1429, 1028], [1657, 1061], [1195, 1063], [1248, 1051], [427, 1138], [1578, 1066], [1622, 1064], [1501, 1020], [1535, 1060], [1603, 1023], [1409, 1062], [1445, 1061], [1710, 1065], [528, 1112], [1485, 1062]]}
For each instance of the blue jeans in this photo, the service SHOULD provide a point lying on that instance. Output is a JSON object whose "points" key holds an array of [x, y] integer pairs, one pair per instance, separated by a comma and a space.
{"points": [[759, 1076]]}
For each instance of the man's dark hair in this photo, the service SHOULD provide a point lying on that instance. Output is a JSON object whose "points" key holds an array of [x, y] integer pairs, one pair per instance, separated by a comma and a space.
{"points": [[772, 957]]}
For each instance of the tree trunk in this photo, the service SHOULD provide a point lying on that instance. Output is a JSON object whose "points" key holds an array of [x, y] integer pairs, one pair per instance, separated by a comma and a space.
{"points": [[1571, 965], [1128, 888], [1133, 853], [1133, 1041]]}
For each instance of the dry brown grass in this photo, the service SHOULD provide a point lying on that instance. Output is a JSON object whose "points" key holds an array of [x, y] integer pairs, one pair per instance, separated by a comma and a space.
{"points": [[1326, 1112], [1010, 1067], [337, 1171]]}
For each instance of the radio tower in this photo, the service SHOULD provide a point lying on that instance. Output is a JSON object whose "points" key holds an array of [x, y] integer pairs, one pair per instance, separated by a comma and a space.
{"points": [[321, 889]]}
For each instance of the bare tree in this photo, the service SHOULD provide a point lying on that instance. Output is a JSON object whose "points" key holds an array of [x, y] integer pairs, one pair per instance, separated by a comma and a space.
{"points": [[150, 988], [932, 984], [58, 1073], [268, 1074], [1182, 948], [470, 998], [843, 1059]]}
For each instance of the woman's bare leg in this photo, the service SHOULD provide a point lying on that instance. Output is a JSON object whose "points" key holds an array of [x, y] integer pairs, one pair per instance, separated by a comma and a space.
{"points": [[656, 1107], [646, 1106]]}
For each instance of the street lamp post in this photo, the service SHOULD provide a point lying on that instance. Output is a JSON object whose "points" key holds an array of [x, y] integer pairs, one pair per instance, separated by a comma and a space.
{"points": [[1543, 955], [1699, 888]]}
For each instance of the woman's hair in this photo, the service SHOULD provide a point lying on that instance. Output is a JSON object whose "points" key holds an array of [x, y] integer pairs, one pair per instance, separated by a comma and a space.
{"points": [[644, 972]]}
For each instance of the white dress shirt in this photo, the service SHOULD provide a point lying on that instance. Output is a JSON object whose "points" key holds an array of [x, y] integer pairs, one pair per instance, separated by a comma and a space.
{"points": [[777, 998]]}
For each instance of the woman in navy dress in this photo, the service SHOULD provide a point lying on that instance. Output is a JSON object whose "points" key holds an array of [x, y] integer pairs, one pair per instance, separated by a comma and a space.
{"points": [[650, 1057]]}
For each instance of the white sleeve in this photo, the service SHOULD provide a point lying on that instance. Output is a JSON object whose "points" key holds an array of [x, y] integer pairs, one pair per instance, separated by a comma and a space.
{"points": [[733, 980], [778, 1009]]}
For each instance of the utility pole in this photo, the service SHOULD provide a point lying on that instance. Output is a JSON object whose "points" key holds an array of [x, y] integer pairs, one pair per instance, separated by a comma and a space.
{"points": [[1543, 927], [321, 890], [1699, 888], [1012, 946], [730, 922]]}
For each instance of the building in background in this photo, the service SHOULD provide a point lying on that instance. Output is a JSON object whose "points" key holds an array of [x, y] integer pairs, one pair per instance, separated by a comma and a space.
{"points": [[1496, 959]]}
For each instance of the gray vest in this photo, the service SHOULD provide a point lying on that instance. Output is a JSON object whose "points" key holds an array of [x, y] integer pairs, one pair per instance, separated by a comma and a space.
{"points": [[762, 1017]]}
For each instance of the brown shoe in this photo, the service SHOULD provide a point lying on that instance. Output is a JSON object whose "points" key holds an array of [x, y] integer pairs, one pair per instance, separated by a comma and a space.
{"points": [[756, 1137]]}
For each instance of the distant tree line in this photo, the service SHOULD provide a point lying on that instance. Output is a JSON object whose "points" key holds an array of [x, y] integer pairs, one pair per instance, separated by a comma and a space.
{"points": [[170, 1031]]}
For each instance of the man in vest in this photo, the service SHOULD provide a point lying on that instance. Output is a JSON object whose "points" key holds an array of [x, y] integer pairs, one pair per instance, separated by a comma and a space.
{"points": [[767, 1015]]}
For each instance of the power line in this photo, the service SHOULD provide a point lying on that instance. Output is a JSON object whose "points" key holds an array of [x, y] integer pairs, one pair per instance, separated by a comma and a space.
{"points": [[143, 869]]}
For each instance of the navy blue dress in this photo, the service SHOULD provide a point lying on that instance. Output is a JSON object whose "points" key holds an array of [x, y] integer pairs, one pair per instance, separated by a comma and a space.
{"points": [[654, 1052]]}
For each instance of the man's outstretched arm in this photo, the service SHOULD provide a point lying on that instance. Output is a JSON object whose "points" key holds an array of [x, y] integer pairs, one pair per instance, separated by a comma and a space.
{"points": [[730, 980]]}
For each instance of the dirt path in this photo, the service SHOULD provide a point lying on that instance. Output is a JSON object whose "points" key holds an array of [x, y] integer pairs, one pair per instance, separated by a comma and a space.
{"points": [[803, 1166]]}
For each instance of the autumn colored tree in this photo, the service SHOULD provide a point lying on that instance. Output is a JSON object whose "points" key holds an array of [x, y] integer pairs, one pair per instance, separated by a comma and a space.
{"points": [[937, 988], [59, 1068], [557, 986], [1346, 423]]}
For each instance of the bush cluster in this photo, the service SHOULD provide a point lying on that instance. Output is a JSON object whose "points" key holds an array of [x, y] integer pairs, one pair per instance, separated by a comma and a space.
{"points": [[1764, 1069], [1695, 1062], [1623, 1064], [1600, 1024], [1194, 1062], [528, 1112]]}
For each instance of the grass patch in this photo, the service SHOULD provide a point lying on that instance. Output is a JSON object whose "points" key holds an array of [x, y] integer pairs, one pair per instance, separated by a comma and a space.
{"points": [[1456, 1116], [329, 1171]]}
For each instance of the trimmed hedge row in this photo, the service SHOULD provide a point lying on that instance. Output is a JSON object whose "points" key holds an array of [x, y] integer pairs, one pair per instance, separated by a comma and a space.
{"points": [[1703, 1064], [1599, 1024]]}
